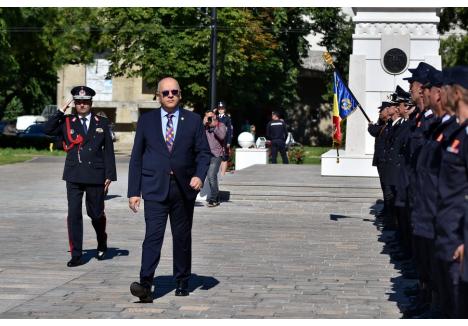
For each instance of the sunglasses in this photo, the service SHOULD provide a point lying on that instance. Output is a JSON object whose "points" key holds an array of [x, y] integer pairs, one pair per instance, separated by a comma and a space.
{"points": [[174, 92]]}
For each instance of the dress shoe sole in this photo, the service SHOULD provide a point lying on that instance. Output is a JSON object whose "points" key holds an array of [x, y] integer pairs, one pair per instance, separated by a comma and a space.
{"points": [[182, 293], [138, 291], [70, 264]]}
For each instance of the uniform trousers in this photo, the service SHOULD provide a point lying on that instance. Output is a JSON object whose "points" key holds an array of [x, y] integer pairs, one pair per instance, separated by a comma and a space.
{"points": [[448, 279], [278, 145], [95, 210], [180, 212], [463, 299]]}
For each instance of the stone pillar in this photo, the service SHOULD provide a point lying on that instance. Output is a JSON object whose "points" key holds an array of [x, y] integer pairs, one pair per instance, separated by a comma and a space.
{"points": [[386, 42]]}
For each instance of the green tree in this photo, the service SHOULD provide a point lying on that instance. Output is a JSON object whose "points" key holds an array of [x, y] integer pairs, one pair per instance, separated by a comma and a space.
{"points": [[454, 48], [34, 43]]}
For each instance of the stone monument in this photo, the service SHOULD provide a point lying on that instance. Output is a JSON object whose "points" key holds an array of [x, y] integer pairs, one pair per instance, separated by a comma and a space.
{"points": [[386, 42]]}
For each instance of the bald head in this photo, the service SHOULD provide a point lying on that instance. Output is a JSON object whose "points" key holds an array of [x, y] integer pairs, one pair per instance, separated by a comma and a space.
{"points": [[169, 93]]}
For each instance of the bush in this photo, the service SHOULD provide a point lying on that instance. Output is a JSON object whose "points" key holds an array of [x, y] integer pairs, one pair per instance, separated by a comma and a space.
{"points": [[30, 142], [296, 154]]}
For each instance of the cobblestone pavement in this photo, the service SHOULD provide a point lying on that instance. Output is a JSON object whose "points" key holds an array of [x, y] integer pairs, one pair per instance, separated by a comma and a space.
{"points": [[283, 248]]}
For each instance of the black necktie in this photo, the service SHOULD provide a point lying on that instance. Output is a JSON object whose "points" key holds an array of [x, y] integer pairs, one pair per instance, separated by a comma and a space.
{"points": [[85, 128]]}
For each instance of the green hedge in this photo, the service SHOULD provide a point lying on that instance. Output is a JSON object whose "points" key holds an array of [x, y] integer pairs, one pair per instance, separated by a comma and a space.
{"points": [[20, 142]]}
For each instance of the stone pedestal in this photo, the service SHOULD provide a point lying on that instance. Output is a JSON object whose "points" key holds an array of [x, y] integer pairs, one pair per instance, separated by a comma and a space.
{"points": [[246, 157], [411, 31]]}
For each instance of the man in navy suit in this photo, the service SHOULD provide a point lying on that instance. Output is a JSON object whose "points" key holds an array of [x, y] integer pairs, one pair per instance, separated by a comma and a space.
{"points": [[169, 160]]}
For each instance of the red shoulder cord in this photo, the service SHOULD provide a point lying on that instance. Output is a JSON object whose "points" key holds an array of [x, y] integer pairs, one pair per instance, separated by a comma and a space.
{"points": [[78, 140]]}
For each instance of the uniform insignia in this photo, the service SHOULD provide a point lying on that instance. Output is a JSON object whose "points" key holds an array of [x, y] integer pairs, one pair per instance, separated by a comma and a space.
{"points": [[74, 119], [99, 130], [440, 137], [419, 124], [95, 117], [82, 92], [182, 118], [454, 147], [72, 131]]}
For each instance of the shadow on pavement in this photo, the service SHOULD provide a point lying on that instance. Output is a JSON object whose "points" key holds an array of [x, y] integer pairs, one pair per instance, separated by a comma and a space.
{"points": [[166, 284], [89, 254], [407, 280]]}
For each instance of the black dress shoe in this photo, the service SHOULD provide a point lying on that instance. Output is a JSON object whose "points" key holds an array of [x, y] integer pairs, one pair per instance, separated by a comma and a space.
{"points": [[75, 261], [101, 254], [142, 292], [182, 289]]}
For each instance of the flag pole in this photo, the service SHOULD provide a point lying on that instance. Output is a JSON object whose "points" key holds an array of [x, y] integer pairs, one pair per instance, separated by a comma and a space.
{"points": [[329, 60]]}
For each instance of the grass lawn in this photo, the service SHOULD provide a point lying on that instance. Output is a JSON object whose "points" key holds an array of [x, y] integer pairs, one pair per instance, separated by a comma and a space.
{"points": [[312, 154], [15, 155]]}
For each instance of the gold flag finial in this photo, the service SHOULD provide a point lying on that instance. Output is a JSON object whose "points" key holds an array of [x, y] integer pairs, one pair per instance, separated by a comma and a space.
{"points": [[328, 58]]}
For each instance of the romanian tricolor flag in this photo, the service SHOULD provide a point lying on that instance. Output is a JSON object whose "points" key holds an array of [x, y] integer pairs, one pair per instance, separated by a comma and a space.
{"points": [[343, 104]]}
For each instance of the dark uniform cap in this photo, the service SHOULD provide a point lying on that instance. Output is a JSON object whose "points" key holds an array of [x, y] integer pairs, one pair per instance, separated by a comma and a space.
{"points": [[420, 73], [447, 76], [82, 93], [400, 95], [459, 76], [384, 105], [434, 79]]}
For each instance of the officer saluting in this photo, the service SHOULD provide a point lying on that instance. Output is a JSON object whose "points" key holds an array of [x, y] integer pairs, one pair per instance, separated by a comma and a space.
{"points": [[89, 168]]}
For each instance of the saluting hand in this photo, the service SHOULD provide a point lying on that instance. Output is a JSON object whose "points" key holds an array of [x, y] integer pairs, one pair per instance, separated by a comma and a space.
{"points": [[134, 203], [66, 105], [196, 183]]}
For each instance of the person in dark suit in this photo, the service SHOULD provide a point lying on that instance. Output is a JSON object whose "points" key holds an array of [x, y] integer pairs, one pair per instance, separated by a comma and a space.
{"points": [[169, 160], [378, 131], [224, 118], [277, 132], [452, 193], [89, 168]]}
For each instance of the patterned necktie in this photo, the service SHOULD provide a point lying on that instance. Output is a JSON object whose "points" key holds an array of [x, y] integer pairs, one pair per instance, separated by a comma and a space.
{"points": [[169, 132], [85, 128]]}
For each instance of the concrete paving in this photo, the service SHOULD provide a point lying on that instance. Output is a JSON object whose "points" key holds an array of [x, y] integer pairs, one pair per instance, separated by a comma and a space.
{"points": [[288, 244]]}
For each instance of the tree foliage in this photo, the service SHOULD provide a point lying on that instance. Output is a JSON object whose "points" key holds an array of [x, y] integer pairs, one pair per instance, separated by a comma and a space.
{"points": [[260, 50], [454, 48]]}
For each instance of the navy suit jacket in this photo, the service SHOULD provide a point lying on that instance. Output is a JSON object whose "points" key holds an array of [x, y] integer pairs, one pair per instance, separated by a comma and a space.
{"points": [[151, 162]]}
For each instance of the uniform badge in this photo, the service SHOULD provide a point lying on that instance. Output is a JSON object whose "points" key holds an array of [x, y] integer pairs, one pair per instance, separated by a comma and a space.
{"points": [[99, 130], [439, 139], [72, 131], [454, 147]]}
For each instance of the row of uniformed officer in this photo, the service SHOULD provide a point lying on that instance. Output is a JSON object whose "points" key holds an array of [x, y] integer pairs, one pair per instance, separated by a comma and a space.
{"points": [[421, 159], [89, 168]]}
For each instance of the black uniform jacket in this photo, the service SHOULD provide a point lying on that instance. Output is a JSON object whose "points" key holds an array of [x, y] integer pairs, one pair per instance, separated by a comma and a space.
{"points": [[427, 179], [394, 152], [378, 131], [93, 160], [453, 189]]}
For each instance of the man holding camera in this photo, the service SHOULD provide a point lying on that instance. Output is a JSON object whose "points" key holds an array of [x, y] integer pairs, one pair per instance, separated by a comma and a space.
{"points": [[216, 133]]}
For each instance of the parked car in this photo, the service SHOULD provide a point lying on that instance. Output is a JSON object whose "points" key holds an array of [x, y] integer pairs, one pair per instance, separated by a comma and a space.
{"points": [[35, 136], [24, 121]]}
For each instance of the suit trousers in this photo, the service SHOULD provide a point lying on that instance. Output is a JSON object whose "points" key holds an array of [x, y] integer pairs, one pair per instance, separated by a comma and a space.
{"points": [[180, 212], [278, 145], [95, 210]]}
